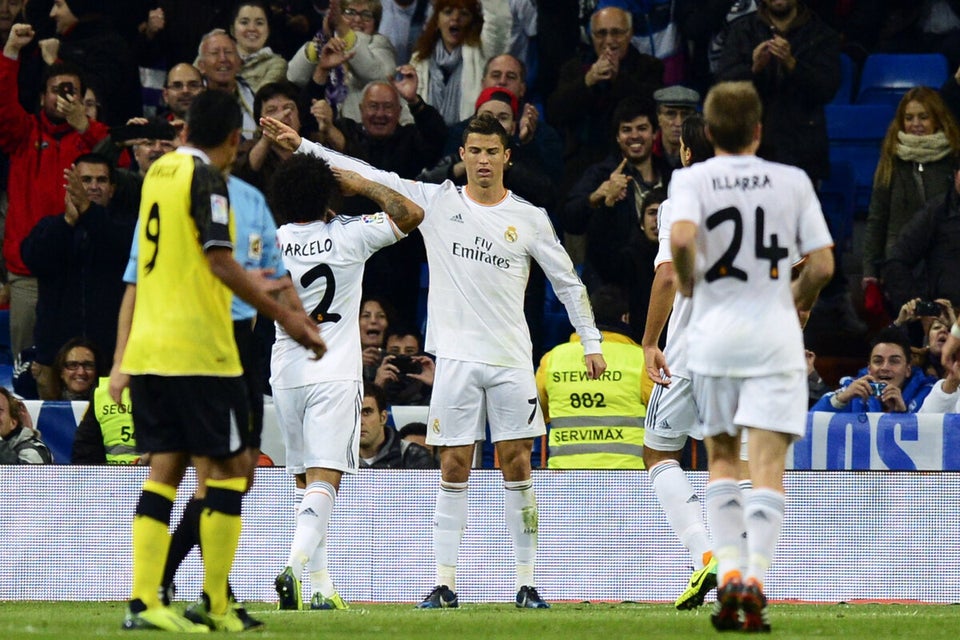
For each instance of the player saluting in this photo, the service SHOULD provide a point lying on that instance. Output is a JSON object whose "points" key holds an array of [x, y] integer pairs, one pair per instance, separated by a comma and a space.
{"points": [[739, 223], [480, 240]]}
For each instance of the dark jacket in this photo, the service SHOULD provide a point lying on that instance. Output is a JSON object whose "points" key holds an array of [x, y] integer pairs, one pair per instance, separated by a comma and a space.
{"points": [[79, 272], [794, 125], [891, 207], [584, 114], [400, 454], [929, 243], [108, 64]]}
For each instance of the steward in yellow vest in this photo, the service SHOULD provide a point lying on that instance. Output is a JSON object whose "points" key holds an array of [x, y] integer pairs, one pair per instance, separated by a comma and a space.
{"points": [[105, 435], [596, 424]]}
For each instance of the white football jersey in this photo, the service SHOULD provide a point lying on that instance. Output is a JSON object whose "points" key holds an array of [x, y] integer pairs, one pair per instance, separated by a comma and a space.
{"points": [[754, 219], [325, 260], [479, 257], [675, 350]]}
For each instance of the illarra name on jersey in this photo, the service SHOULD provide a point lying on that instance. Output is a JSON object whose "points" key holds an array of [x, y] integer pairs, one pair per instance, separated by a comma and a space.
{"points": [[481, 252], [741, 183]]}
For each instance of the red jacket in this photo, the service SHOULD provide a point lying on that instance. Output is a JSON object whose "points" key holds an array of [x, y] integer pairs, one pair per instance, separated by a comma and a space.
{"points": [[39, 151]]}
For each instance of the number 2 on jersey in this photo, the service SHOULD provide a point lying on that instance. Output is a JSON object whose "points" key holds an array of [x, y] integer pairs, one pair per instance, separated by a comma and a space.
{"points": [[724, 267], [320, 312]]}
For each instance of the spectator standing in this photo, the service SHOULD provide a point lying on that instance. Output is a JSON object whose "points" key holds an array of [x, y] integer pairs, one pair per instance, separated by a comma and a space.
{"points": [[605, 204], [40, 148], [380, 446], [674, 105], [78, 258], [457, 41], [20, 443], [596, 424], [250, 30], [916, 163], [402, 24], [257, 159], [220, 65], [927, 245], [889, 383], [367, 56], [656, 33], [87, 38], [590, 88]]}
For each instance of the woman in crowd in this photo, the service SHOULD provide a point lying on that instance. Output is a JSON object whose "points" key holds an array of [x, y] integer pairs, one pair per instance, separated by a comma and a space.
{"points": [[375, 317], [74, 371], [20, 443], [369, 54], [453, 49], [916, 165], [250, 29]]}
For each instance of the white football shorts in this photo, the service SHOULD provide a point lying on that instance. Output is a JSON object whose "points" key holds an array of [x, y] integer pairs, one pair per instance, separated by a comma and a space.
{"points": [[776, 402], [467, 395], [671, 416], [320, 424]]}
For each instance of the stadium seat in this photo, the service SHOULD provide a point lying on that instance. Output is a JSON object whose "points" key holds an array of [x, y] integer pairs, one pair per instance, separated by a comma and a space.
{"points": [[848, 81], [837, 200], [887, 76], [6, 356], [856, 132]]}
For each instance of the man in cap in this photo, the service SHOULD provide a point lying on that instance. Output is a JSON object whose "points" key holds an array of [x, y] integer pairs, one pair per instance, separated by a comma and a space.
{"points": [[674, 104]]}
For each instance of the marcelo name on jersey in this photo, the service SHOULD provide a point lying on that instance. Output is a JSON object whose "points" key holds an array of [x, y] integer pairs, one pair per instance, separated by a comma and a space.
{"points": [[481, 251]]}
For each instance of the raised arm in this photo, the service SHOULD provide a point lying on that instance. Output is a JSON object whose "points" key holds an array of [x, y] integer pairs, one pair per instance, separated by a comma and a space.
{"points": [[404, 212]]}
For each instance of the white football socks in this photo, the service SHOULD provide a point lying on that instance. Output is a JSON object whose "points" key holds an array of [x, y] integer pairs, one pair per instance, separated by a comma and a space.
{"points": [[449, 521], [312, 520], [763, 512], [682, 507], [725, 518], [520, 513]]}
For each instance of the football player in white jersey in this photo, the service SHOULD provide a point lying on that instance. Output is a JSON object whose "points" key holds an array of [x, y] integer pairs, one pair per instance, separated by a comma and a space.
{"points": [[318, 401], [480, 239], [671, 411], [739, 223]]}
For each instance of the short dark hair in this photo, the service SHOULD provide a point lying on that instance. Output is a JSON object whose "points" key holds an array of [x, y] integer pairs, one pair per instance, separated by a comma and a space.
{"points": [[302, 189], [631, 108], [96, 158], [609, 304], [375, 391], [64, 68], [413, 429], [213, 116], [523, 66], [486, 124], [693, 133], [655, 195], [893, 335], [402, 331], [272, 90]]}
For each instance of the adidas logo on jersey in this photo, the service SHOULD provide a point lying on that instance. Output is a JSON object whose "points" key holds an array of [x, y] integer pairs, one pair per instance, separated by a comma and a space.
{"points": [[457, 218]]}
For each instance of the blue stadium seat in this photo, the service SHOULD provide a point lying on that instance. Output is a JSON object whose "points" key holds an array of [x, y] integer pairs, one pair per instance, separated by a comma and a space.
{"points": [[837, 200], [887, 76], [848, 81], [6, 356], [855, 132]]}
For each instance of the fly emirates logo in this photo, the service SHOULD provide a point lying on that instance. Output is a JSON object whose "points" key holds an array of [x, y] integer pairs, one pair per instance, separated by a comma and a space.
{"points": [[480, 251]]}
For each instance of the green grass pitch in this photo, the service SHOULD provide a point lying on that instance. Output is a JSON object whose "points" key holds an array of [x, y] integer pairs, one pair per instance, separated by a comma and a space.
{"points": [[565, 621]]}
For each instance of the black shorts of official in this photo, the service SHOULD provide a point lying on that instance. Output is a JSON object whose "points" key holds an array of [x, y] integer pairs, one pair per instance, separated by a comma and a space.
{"points": [[248, 344], [199, 415]]}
